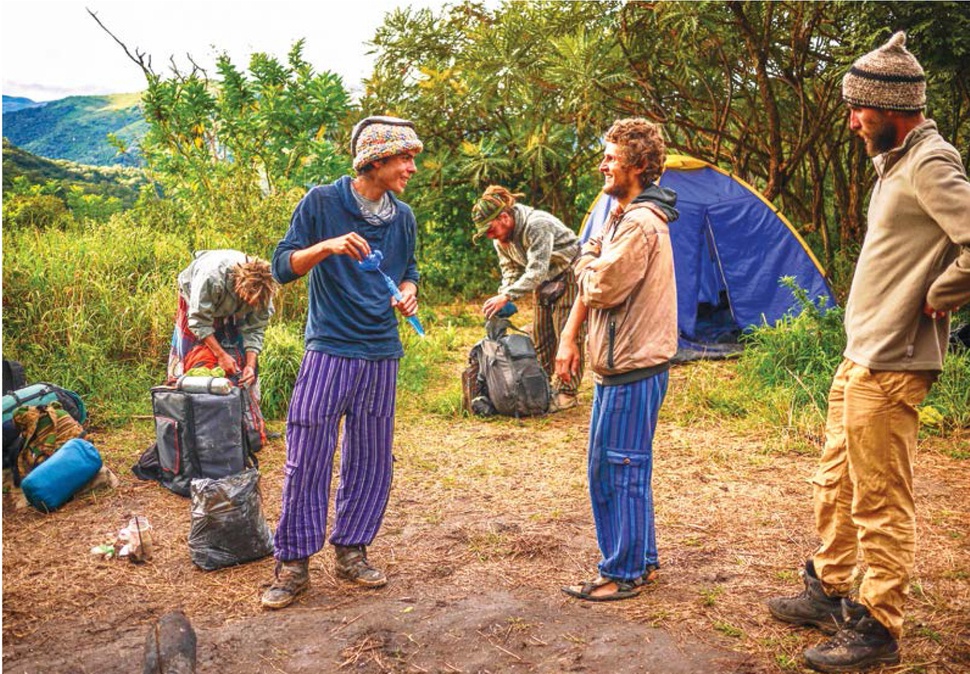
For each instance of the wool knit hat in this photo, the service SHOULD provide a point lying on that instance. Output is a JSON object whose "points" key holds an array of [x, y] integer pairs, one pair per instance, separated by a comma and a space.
{"points": [[889, 78], [495, 201], [378, 137]]}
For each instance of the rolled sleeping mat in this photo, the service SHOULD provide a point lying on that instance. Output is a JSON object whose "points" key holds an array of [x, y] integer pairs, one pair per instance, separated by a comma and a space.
{"points": [[213, 385], [51, 484]]}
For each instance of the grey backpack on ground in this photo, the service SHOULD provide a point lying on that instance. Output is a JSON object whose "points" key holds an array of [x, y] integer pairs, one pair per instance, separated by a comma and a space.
{"points": [[514, 381], [197, 435]]}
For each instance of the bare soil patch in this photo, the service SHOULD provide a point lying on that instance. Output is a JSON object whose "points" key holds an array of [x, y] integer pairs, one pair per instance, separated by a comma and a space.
{"points": [[487, 519]]}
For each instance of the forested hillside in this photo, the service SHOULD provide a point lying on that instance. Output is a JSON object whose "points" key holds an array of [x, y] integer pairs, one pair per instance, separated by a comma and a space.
{"points": [[76, 128], [14, 103], [106, 181]]}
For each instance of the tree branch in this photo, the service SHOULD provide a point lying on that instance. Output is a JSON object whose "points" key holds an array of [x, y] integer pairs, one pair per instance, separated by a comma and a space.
{"points": [[139, 57]]}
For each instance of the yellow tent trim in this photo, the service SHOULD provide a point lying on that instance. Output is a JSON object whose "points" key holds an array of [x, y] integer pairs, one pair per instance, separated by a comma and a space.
{"points": [[685, 163], [682, 162]]}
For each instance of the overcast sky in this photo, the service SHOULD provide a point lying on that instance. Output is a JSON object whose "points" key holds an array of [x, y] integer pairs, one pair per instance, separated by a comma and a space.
{"points": [[53, 48]]}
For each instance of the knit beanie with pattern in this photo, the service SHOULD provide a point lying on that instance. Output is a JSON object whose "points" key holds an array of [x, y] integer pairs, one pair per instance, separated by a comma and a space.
{"points": [[889, 78], [379, 137], [495, 201]]}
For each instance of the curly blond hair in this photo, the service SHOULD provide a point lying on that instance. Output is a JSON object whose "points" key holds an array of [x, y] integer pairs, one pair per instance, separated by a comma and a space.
{"points": [[641, 145], [253, 282]]}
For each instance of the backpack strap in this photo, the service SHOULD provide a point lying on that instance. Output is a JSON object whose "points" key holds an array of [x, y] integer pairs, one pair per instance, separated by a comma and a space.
{"points": [[40, 393], [248, 401]]}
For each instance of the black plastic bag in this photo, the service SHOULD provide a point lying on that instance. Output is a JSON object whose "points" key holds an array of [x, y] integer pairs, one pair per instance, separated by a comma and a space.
{"points": [[228, 526]]}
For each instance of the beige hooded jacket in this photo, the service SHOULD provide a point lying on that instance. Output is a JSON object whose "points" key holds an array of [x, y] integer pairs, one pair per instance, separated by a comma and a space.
{"points": [[626, 280]]}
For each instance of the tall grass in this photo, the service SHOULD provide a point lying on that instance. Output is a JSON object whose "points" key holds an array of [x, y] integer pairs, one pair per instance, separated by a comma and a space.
{"points": [[278, 366], [786, 370], [90, 306]]}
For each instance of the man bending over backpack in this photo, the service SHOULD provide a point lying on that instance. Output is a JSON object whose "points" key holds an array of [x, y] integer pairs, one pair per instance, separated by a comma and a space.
{"points": [[535, 253], [225, 302]]}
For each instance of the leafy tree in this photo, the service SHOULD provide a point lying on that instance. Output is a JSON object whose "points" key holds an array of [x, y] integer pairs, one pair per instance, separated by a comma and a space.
{"points": [[519, 94], [483, 88], [248, 135], [220, 146]]}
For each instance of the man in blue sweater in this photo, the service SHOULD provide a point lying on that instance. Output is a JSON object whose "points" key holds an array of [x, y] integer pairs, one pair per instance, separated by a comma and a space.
{"points": [[349, 370]]}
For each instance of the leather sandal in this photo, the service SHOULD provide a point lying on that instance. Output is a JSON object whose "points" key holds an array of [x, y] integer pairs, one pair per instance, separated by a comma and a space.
{"points": [[623, 589]]}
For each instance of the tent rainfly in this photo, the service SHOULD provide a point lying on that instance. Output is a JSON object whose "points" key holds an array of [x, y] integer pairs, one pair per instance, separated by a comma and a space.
{"points": [[731, 248]]}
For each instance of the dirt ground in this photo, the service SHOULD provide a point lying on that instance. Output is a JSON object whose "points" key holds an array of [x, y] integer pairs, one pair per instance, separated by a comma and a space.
{"points": [[487, 520]]}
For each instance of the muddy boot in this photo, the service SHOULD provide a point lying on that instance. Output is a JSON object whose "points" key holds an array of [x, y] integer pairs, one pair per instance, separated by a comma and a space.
{"points": [[812, 607], [352, 564], [863, 642], [562, 401], [292, 578]]}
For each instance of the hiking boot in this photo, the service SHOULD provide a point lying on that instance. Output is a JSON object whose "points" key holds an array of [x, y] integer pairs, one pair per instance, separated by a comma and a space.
{"points": [[352, 564], [812, 607], [291, 579], [562, 401], [863, 642]]}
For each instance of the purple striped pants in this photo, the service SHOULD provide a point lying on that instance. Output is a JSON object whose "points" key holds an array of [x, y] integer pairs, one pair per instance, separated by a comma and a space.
{"points": [[328, 389]]}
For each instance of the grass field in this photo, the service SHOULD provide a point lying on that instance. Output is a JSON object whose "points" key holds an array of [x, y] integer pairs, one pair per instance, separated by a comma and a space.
{"points": [[487, 519]]}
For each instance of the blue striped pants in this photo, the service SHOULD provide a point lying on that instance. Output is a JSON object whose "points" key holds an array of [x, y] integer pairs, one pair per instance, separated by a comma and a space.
{"points": [[328, 389], [622, 425]]}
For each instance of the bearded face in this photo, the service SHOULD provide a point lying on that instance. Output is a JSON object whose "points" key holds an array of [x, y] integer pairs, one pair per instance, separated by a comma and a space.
{"points": [[877, 128]]}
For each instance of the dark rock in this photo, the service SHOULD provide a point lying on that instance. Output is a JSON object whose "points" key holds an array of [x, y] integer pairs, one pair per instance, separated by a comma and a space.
{"points": [[170, 646]]}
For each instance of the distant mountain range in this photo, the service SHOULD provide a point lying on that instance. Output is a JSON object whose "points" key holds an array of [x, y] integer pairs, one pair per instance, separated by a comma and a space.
{"points": [[14, 103], [76, 128]]}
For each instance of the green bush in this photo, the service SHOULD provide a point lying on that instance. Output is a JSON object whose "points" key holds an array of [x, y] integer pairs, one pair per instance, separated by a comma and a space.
{"points": [[950, 395], [786, 370], [800, 352], [41, 211]]}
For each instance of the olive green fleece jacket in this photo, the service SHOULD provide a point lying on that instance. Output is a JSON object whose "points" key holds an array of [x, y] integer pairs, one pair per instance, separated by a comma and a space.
{"points": [[916, 251], [541, 247]]}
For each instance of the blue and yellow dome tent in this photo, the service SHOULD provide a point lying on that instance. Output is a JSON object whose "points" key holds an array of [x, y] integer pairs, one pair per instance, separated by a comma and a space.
{"points": [[731, 248]]}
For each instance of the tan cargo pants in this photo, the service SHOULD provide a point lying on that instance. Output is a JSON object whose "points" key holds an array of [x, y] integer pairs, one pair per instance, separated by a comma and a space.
{"points": [[863, 489]]}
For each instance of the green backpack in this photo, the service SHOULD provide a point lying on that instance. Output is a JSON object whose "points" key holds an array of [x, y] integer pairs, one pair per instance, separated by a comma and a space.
{"points": [[44, 429]]}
